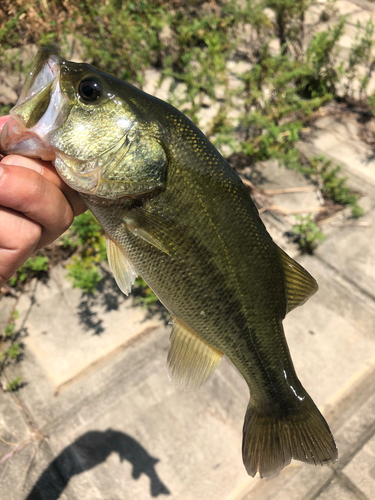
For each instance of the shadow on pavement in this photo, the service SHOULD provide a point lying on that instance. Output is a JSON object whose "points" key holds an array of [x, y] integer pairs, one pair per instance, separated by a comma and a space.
{"points": [[88, 451], [109, 297]]}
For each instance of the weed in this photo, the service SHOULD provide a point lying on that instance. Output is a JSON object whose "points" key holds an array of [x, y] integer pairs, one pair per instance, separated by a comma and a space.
{"points": [[34, 266], [84, 273], [86, 236], [289, 24], [10, 348], [87, 232], [331, 184], [144, 295], [14, 384], [9, 329], [126, 40], [4, 110], [261, 110], [360, 54], [306, 233], [372, 102], [321, 59], [14, 351]]}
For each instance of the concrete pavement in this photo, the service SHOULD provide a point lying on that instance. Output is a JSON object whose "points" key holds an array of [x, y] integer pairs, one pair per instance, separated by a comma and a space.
{"points": [[97, 419]]}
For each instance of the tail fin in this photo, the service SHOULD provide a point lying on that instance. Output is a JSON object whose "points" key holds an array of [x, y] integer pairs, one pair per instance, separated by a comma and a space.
{"points": [[271, 440]]}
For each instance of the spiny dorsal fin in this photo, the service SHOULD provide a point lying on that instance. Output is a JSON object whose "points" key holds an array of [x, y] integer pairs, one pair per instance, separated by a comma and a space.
{"points": [[121, 268], [191, 361], [300, 285]]}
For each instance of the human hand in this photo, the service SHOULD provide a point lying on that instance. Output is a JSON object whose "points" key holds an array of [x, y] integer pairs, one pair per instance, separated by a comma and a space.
{"points": [[36, 207]]}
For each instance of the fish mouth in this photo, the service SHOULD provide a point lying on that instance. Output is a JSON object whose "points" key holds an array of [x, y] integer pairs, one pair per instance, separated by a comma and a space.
{"points": [[41, 107]]}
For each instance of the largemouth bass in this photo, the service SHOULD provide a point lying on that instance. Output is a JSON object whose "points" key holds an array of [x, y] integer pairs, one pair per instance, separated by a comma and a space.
{"points": [[175, 213]]}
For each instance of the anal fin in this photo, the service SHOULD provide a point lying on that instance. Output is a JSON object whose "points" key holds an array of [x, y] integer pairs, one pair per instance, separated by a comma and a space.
{"points": [[121, 268], [191, 361], [300, 285]]}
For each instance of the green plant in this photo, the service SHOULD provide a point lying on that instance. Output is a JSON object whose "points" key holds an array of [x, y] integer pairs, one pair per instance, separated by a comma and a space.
{"points": [[260, 110], [277, 116], [331, 184], [14, 351], [144, 295], [4, 110], [14, 384], [84, 273], [34, 266], [306, 233], [200, 57], [372, 102], [126, 40], [360, 54], [321, 58], [87, 237], [10, 348], [289, 24], [9, 330]]}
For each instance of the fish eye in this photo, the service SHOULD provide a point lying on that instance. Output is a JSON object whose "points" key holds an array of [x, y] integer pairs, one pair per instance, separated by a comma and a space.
{"points": [[90, 90]]}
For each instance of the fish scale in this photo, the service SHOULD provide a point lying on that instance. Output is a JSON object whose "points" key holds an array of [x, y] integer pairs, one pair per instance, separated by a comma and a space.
{"points": [[176, 213]]}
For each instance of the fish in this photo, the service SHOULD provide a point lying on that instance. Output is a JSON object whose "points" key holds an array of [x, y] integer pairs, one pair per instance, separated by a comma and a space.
{"points": [[175, 213]]}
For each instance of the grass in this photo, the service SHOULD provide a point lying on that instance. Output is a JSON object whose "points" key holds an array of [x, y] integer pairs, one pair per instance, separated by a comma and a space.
{"points": [[86, 238], [261, 110], [10, 349], [306, 233], [14, 384], [37, 265]]}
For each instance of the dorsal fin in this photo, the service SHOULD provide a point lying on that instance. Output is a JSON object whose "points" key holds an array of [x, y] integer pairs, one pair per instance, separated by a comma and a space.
{"points": [[121, 268], [191, 361], [300, 285]]}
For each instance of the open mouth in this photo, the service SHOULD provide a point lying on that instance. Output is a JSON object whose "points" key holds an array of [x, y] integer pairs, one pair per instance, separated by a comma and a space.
{"points": [[40, 108], [46, 68]]}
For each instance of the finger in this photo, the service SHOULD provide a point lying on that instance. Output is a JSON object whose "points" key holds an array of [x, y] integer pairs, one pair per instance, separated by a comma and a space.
{"points": [[48, 171], [18, 239], [31, 194], [3, 120]]}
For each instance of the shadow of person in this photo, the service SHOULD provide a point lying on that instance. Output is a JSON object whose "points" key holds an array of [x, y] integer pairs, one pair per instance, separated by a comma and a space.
{"points": [[89, 450]]}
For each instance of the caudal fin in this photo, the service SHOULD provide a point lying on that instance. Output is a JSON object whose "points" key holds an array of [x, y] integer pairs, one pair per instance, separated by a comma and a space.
{"points": [[271, 440]]}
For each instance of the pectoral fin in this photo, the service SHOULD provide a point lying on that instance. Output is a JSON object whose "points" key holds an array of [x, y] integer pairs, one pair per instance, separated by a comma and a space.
{"points": [[300, 285], [123, 271], [156, 230], [191, 361]]}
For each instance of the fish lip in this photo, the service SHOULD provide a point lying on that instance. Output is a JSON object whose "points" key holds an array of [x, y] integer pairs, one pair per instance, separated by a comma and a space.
{"points": [[16, 137], [46, 68]]}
